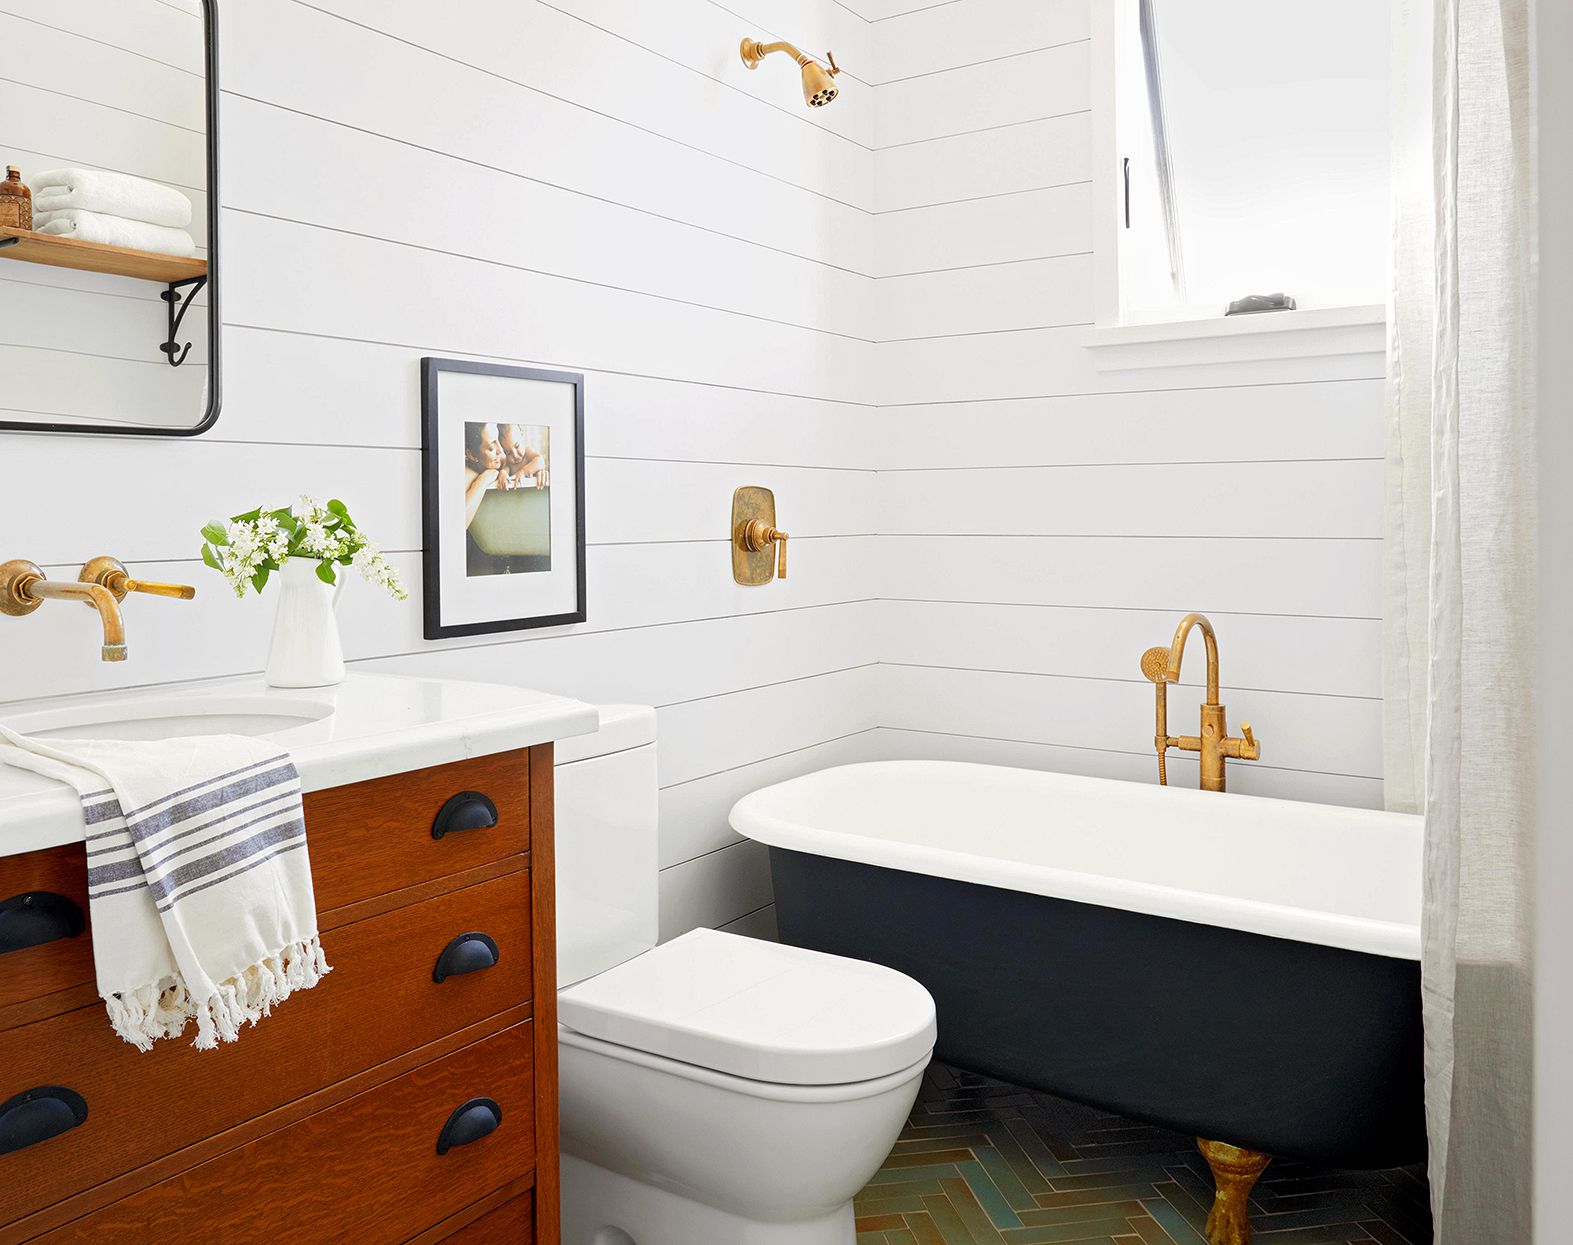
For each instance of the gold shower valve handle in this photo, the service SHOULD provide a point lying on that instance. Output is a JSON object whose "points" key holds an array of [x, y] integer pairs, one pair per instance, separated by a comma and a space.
{"points": [[111, 573], [758, 535]]}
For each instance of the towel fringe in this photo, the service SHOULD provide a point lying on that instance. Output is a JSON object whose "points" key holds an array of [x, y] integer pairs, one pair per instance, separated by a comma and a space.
{"points": [[162, 1009]]}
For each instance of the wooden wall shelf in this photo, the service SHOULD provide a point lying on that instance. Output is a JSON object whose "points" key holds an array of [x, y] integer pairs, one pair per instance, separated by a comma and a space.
{"points": [[181, 278], [43, 248]]}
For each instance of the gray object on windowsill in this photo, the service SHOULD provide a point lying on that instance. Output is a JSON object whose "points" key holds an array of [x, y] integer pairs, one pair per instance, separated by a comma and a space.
{"points": [[1254, 304]]}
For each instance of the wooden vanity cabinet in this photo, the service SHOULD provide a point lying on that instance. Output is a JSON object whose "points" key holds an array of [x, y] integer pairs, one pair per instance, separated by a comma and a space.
{"points": [[323, 1122]]}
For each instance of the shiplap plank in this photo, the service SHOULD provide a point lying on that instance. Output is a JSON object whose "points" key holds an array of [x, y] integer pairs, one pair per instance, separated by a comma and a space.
{"points": [[97, 137], [148, 28], [43, 385], [694, 813], [707, 736], [1324, 734], [712, 890], [300, 389], [1321, 656], [999, 298], [527, 223], [937, 37], [998, 229], [704, 37], [630, 588], [1247, 779], [293, 56], [545, 46], [1046, 82], [1314, 577], [96, 72], [393, 293], [1333, 499], [1023, 157], [1241, 423]]}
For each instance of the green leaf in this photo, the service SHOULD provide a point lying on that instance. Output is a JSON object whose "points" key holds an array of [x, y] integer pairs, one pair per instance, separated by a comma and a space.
{"points": [[259, 581], [210, 558], [339, 508], [215, 532], [326, 573], [251, 516]]}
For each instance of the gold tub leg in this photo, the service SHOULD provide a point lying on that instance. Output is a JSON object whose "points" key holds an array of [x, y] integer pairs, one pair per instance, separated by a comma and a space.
{"points": [[1234, 1172]]}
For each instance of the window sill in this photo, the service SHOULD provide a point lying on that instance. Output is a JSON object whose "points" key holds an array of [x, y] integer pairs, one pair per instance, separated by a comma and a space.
{"points": [[1307, 334]]}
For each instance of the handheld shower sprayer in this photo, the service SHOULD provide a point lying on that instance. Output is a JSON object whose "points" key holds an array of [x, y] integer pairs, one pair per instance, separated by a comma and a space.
{"points": [[819, 87]]}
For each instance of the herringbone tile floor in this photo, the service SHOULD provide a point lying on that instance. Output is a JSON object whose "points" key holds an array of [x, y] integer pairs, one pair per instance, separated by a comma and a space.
{"points": [[985, 1163]]}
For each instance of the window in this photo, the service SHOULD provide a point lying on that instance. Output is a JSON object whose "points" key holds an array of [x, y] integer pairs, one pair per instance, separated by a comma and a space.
{"points": [[1241, 148]]}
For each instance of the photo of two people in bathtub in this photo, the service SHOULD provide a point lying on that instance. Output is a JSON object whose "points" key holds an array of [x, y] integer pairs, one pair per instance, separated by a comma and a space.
{"points": [[507, 498]]}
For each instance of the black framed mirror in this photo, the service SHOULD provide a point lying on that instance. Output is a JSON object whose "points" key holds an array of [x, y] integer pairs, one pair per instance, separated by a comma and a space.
{"points": [[109, 219]]}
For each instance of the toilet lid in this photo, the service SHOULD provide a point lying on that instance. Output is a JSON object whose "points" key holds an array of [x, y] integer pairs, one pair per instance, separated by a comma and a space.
{"points": [[757, 1009]]}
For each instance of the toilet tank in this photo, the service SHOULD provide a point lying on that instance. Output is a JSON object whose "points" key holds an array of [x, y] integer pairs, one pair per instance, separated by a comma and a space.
{"points": [[607, 867]]}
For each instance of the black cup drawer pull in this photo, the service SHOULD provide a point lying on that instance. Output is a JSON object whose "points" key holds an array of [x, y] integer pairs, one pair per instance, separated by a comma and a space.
{"points": [[469, 810], [38, 1114], [469, 1122], [36, 917], [468, 953]]}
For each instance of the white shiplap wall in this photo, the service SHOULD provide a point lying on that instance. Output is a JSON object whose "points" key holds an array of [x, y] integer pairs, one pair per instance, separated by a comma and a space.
{"points": [[1043, 522], [572, 184], [111, 84], [873, 308]]}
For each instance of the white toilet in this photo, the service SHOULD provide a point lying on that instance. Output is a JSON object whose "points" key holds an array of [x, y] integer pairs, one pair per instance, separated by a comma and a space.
{"points": [[716, 1090]]}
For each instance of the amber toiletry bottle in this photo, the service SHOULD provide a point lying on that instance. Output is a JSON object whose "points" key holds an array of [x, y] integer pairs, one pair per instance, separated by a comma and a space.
{"points": [[16, 200]]}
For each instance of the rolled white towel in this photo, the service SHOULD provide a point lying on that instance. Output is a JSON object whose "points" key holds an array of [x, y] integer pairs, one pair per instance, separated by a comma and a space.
{"points": [[114, 231], [113, 194]]}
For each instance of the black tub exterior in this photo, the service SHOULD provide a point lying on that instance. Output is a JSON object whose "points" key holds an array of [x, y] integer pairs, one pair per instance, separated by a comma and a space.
{"points": [[1295, 1049]]}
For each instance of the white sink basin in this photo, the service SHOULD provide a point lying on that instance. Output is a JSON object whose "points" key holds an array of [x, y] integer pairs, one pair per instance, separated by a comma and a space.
{"points": [[171, 717]]}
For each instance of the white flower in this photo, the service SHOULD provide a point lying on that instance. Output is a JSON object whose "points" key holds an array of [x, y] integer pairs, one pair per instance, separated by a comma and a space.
{"points": [[374, 568]]}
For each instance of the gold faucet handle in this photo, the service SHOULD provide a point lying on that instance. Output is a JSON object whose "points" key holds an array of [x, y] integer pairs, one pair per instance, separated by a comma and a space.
{"points": [[1247, 749], [111, 573], [1245, 729], [780, 538]]}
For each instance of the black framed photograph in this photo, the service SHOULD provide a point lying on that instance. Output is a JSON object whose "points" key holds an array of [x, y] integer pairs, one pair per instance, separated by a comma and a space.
{"points": [[502, 474]]}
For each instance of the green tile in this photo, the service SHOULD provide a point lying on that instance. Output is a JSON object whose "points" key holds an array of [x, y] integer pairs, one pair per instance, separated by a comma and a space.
{"points": [[1004, 1178]]}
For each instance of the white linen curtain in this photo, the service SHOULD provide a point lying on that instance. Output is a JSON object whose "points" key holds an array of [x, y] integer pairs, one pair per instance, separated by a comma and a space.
{"points": [[1460, 608]]}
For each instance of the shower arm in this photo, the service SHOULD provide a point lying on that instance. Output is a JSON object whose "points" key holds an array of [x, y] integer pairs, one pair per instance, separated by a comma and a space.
{"points": [[755, 51]]}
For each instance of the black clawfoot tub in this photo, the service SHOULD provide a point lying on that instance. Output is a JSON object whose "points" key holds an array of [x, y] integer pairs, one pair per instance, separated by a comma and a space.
{"points": [[1242, 969]]}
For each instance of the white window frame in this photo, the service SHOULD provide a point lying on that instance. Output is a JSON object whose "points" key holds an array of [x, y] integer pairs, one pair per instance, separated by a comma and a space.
{"points": [[1117, 343]]}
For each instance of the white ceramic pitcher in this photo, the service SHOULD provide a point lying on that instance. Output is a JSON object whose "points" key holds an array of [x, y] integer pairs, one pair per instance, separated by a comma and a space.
{"points": [[305, 650]]}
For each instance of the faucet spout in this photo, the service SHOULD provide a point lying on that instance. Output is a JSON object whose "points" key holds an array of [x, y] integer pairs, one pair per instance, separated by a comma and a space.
{"points": [[1177, 652], [23, 589]]}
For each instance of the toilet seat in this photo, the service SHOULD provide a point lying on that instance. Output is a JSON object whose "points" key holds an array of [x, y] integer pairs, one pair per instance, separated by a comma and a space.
{"points": [[757, 1010]]}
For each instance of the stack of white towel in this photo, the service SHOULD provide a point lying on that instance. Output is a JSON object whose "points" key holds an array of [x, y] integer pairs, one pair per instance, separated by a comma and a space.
{"points": [[114, 208]]}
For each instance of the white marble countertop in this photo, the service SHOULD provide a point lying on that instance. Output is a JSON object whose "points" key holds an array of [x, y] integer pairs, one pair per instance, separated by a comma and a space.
{"points": [[369, 726]]}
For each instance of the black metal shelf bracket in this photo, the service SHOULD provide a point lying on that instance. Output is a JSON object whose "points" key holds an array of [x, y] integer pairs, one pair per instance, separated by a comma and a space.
{"points": [[178, 305]]}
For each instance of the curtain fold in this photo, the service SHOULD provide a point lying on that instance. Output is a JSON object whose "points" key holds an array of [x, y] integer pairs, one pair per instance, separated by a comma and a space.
{"points": [[1460, 609]]}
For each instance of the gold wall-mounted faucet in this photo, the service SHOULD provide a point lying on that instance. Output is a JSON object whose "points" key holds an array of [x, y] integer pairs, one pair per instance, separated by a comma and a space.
{"points": [[103, 584], [112, 574], [1162, 666]]}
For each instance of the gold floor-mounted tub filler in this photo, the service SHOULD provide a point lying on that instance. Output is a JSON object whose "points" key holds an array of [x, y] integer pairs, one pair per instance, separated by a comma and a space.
{"points": [[103, 583], [1235, 1170]]}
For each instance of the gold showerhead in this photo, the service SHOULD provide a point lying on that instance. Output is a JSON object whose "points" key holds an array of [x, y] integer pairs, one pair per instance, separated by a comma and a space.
{"points": [[1155, 665], [818, 85]]}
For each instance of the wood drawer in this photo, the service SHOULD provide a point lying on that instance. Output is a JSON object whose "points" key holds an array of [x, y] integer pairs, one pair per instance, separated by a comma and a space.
{"points": [[512, 1223], [380, 1001], [35, 973], [366, 1170], [365, 840], [374, 837]]}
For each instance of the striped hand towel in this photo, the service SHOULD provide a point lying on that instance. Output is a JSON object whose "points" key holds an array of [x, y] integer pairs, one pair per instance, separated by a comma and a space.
{"points": [[199, 885]]}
